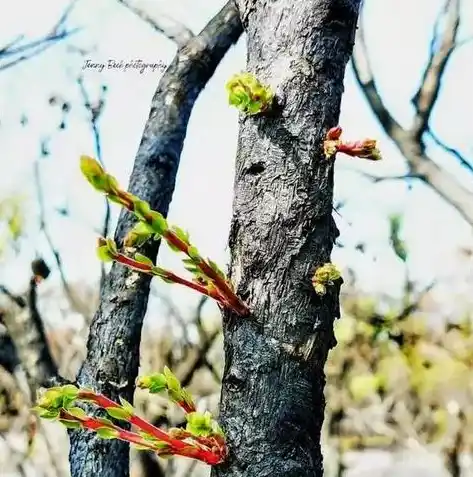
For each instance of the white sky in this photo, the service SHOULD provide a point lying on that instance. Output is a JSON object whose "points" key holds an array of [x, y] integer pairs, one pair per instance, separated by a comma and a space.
{"points": [[398, 35]]}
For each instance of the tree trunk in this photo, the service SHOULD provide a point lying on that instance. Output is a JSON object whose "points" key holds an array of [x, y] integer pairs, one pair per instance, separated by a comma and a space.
{"points": [[272, 403], [113, 346]]}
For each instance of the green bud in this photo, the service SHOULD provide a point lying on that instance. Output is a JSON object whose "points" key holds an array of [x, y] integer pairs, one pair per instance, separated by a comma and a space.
{"points": [[199, 424], [193, 253], [103, 420], [155, 383], [216, 269], [248, 94], [173, 383], [106, 250], [158, 223], [77, 412], [138, 235], [94, 173], [141, 209], [323, 276]]}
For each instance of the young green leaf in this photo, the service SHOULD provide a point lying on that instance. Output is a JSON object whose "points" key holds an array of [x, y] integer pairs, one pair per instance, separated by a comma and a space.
{"points": [[180, 234], [48, 414], [106, 433], [158, 223], [70, 424], [138, 235], [103, 253], [199, 424], [141, 209], [154, 383], [143, 259], [127, 406], [193, 253], [119, 413], [77, 412]]}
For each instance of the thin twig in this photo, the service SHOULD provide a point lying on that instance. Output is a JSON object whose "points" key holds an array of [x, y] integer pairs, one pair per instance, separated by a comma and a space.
{"points": [[454, 152], [408, 141], [95, 112], [44, 229], [168, 26], [36, 47], [428, 92]]}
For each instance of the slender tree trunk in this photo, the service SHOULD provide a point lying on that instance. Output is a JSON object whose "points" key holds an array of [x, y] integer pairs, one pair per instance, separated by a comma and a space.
{"points": [[113, 346], [272, 403]]}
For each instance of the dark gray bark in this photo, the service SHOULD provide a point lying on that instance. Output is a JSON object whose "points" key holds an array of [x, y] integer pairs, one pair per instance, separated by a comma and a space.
{"points": [[272, 403], [111, 365]]}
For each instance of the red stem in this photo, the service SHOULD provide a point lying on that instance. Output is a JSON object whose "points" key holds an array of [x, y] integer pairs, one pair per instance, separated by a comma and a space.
{"points": [[232, 300], [93, 424], [143, 267], [220, 283], [186, 407], [177, 446]]}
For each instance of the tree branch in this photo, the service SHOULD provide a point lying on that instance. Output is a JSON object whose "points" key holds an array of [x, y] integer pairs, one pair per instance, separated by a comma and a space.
{"points": [[74, 302], [114, 339], [95, 111], [427, 95], [36, 47], [454, 152], [408, 141], [168, 26], [365, 78], [26, 330]]}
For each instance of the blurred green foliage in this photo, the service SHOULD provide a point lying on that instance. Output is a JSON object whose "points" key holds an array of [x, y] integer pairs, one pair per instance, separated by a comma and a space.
{"points": [[392, 378], [12, 223]]}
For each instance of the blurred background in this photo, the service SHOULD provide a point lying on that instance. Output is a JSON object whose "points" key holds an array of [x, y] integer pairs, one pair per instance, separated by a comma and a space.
{"points": [[400, 382]]}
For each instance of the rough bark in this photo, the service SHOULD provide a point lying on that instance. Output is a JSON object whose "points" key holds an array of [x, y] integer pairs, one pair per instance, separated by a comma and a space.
{"points": [[272, 402], [111, 365]]}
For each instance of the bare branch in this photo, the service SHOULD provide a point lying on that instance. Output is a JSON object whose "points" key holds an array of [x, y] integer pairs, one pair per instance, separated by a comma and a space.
{"points": [[168, 26], [44, 229], [95, 111], [200, 359], [18, 300], [427, 95], [376, 179], [454, 152], [408, 142], [415, 304], [26, 330], [36, 47], [365, 78]]}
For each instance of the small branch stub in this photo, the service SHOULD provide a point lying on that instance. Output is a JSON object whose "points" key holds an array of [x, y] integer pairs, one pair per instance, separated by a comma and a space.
{"points": [[247, 94], [325, 276], [365, 149]]}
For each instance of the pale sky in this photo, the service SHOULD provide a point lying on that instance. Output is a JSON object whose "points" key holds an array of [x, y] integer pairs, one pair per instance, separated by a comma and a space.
{"points": [[398, 34]]}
